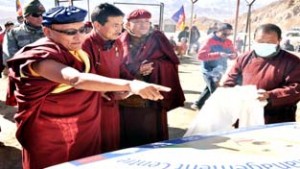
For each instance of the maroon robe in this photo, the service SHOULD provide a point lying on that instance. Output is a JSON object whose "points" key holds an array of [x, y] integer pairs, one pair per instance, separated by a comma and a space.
{"points": [[53, 127], [1, 52], [279, 76], [142, 125], [107, 56]]}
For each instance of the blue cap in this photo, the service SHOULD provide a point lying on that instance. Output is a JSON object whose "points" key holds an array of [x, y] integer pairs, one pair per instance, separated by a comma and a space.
{"points": [[63, 15]]}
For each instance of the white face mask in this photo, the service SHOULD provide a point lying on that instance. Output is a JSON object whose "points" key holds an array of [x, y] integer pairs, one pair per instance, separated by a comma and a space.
{"points": [[265, 49]]}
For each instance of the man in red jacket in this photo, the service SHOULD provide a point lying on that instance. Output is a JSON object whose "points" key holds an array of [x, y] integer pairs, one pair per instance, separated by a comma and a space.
{"points": [[214, 53]]}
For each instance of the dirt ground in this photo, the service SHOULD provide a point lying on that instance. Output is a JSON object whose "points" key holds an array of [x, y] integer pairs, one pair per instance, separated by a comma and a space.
{"points": [[178, 119]]}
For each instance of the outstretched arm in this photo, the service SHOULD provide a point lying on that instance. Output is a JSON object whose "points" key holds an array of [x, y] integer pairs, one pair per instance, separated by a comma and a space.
{"points": [[60, 73]]}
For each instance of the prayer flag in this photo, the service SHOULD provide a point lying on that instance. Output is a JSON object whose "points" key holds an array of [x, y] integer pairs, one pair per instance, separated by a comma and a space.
{"points": [[19, 8], [179, 17]]}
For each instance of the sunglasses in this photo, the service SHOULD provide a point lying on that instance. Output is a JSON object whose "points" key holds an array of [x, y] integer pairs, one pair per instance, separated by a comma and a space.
{"points": [[36, 15], [71, 32]]}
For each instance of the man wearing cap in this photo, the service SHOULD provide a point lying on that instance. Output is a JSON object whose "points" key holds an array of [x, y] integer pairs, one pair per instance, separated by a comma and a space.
{"points": [[104, 46], [29, 31], [214, 53], [148, 56], [58, 92]]}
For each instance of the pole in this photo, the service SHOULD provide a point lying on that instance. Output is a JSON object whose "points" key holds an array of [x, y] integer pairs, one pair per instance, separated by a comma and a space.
{"points": [[236, 21], [191, 24], [161, 16], [249, 33], [248, 24], [88, 6]]}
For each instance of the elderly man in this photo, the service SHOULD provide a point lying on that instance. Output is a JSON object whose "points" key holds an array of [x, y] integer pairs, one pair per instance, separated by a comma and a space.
{"points": [[58, 93], [29, 31], [103, 45], [148, 56], [273, 70]]}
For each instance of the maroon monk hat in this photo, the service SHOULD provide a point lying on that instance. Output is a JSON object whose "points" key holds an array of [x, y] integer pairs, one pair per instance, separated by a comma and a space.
{"points": [[139, 14]]}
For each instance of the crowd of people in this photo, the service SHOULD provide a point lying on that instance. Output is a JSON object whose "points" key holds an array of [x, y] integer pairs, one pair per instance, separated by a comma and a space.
{"points": [[84, 88], [67, 80]]}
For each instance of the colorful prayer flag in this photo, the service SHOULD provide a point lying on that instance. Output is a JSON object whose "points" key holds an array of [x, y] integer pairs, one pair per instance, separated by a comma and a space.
{"points": [[179, 17], [19, 8]]}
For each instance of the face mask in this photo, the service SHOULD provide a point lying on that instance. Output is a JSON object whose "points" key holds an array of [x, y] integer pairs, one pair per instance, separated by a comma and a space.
{"points": [[265, 49]]}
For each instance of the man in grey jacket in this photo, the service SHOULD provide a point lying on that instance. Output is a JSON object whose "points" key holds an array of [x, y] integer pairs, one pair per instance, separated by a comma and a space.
{"points": [[29, 31]]}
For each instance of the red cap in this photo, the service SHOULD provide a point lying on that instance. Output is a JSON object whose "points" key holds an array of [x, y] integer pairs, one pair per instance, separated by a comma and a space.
{"points": [[139, 14]]}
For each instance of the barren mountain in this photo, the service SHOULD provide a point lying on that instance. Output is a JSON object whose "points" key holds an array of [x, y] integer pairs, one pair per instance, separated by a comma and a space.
{"points": [[284, 13]]}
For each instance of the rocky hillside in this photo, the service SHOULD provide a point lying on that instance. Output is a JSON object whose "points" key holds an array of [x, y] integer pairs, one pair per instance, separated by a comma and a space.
{"points": [[284, 13]]}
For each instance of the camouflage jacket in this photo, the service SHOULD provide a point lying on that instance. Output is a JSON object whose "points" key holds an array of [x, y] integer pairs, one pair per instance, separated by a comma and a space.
{"points": [[18, 37]]}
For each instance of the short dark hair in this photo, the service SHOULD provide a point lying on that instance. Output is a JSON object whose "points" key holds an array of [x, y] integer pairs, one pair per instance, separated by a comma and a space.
{"points": [[8, 23], [103, 11], [223, 26], [268, 28]]}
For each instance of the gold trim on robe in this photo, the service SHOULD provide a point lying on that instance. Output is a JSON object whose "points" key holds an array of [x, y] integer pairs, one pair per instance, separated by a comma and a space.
{"points": [[80, 55]]}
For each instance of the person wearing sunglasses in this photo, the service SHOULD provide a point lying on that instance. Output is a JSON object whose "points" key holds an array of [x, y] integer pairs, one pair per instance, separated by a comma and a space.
{"points": [[214, 54], [58, 92], [148, 56], [29, 31], [103, 45]]}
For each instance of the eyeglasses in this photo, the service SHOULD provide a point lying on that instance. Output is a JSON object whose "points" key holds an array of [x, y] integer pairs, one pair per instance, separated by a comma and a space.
{"points": [[36, 15], [71, 32], [141, 22]]}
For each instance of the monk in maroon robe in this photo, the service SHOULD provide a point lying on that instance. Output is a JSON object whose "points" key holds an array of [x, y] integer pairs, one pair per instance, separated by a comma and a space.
{"points": [[274, 71], [148, 56], [107, 52], [58, 93]]}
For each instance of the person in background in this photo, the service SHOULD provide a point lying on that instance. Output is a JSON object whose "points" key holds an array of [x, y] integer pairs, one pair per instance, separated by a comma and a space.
{"points": [[287, 45], [195, 36], [29, 31], [8, 26], [239, 43], [184, 34], [58, 92], [214, 53], [182, 47], [147, 57], [102, 44], [173, 43], [89, 26], [1, 41], [212, 28], [274, 71], [20, 19], [156, 27]]}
